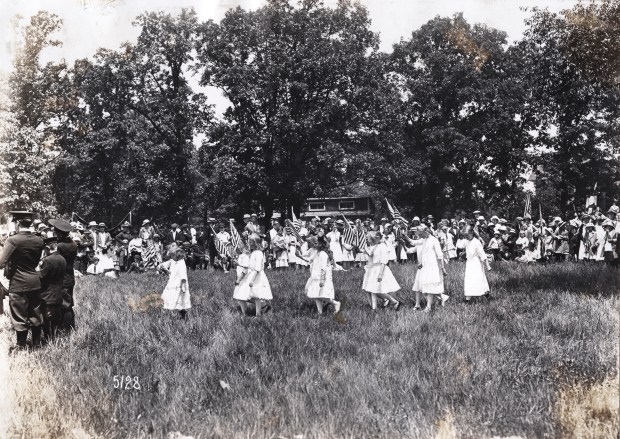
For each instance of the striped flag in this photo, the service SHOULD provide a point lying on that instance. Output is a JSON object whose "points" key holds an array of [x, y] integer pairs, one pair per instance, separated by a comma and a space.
{"points": [[296, 222], [396, 214], [219, 245], [290, 229], [149, 256], [235, 238], [348, 234], [528, 204], [361, 239]]}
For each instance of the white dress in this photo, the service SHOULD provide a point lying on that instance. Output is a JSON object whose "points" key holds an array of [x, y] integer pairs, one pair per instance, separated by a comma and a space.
{"points": [[377, 257], [319, 262], [243, 262], [334, 245], [292, 248], [476, 283], [347, 253], [417, 246], [431, 276], [174, 297], [303, 250], [390, 242], [260, 286]]}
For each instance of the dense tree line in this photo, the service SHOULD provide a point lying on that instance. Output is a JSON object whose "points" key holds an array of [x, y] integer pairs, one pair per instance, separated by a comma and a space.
{"points": [[453, 117]]}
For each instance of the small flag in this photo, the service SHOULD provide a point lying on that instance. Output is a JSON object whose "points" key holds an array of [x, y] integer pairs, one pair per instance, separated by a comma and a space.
{"points": [[235, 238], [296, 222], [290, 229], [528, 204], [348, 234], [396, 214], [361, 239], [219, 245]]}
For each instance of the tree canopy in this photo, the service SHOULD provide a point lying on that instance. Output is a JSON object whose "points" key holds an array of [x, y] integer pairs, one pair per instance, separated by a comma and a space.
{"points": [[452, 118]]}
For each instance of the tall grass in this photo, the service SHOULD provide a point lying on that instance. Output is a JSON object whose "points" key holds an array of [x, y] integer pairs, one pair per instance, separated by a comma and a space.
{"points": [[506, 367]]}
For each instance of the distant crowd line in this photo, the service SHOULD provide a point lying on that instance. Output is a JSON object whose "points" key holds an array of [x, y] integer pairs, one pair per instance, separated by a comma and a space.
{"points": [[41, 260]]}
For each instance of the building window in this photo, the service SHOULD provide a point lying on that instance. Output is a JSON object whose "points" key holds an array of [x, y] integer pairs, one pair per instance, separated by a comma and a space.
{"points": [[347, 205], [316, 206]]}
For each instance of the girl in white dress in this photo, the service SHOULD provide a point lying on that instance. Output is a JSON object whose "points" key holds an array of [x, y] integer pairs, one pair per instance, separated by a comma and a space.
{"points": [[176, 294], [303, 249], [254, 286], [280, 246], [378, 279], [243, 264], [432, 270], [293, 245], [334, 244], [476, 283], [390, 243], [320, 286]]}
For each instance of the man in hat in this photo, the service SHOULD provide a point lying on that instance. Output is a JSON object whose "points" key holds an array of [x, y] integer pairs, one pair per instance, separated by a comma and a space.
{"points": [[22, 253], [52, 275], [122, 239], [174, 234], [384, 221], [94, 236], [68, 249], [210, 231], [186, 233], [104, 236]]}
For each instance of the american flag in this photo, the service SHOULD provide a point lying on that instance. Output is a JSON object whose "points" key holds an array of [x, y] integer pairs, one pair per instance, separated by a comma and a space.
{"points": [[348, 235], [235, 238], [361, 239], [296, 222], [290, 229], [528, 204], [396, 214], [219, 245], [149, 256]]}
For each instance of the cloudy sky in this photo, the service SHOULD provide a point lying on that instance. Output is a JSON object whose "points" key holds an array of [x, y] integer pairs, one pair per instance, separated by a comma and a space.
{"points": [[90, 24]]}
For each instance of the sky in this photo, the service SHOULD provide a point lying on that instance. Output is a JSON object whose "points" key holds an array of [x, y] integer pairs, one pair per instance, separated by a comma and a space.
{"points": [[91, 24]]}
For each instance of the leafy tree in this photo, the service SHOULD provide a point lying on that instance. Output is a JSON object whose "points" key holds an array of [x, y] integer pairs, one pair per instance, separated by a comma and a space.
{"points": [[130, 140], [301, 82], [463, 146], [27, 148], [571, 67]]}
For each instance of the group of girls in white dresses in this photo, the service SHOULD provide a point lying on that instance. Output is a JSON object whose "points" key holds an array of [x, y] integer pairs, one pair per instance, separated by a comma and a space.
{"points": [[252, 285]]}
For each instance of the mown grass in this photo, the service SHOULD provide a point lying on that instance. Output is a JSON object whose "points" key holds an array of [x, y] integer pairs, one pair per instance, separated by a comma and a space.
{"points": [[513, 366]]}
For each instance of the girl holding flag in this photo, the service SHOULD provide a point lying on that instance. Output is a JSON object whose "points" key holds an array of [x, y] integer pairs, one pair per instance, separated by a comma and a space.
{"points": [[253, 285], [378, 279], [319, 286]]}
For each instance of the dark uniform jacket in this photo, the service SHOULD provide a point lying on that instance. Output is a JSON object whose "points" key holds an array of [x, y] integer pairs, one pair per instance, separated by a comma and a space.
{"points": [[52, 274], [67, 248], [22, 252]]}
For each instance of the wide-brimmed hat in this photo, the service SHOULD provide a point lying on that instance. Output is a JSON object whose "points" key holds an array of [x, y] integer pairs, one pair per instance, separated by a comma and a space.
{"points": [[480, 218], [254, 215], [246, 216], [608, 223], [415, 218], [101, 224], [503, 221], [476, 212], [519, 218], [92, 224], [145, 222], [339, 222], [590, 224], [494, 217]]}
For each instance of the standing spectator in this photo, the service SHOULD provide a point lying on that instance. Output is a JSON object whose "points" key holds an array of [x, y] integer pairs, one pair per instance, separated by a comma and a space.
{"points": [[52, 275], [22, 253], [68, 249]]}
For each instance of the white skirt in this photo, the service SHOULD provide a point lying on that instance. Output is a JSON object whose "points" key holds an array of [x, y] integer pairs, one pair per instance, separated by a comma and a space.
{"points": [[416, 281], [260, 289], [336, 251], [387, 285], [314, 291], [174, 298], [476, 283]]}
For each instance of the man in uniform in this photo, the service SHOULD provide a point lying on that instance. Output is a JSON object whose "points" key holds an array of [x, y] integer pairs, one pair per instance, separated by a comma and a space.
{"points": [[67, 248], [52, 275], [22, 253]]}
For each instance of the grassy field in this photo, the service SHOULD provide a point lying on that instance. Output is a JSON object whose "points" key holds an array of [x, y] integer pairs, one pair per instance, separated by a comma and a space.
{"points": [[539, 361]]}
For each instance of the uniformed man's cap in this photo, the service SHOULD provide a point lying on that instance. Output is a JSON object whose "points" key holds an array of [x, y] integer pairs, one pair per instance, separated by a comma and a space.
{"points": [[174, 225], [24, 217], [60, 225]]}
